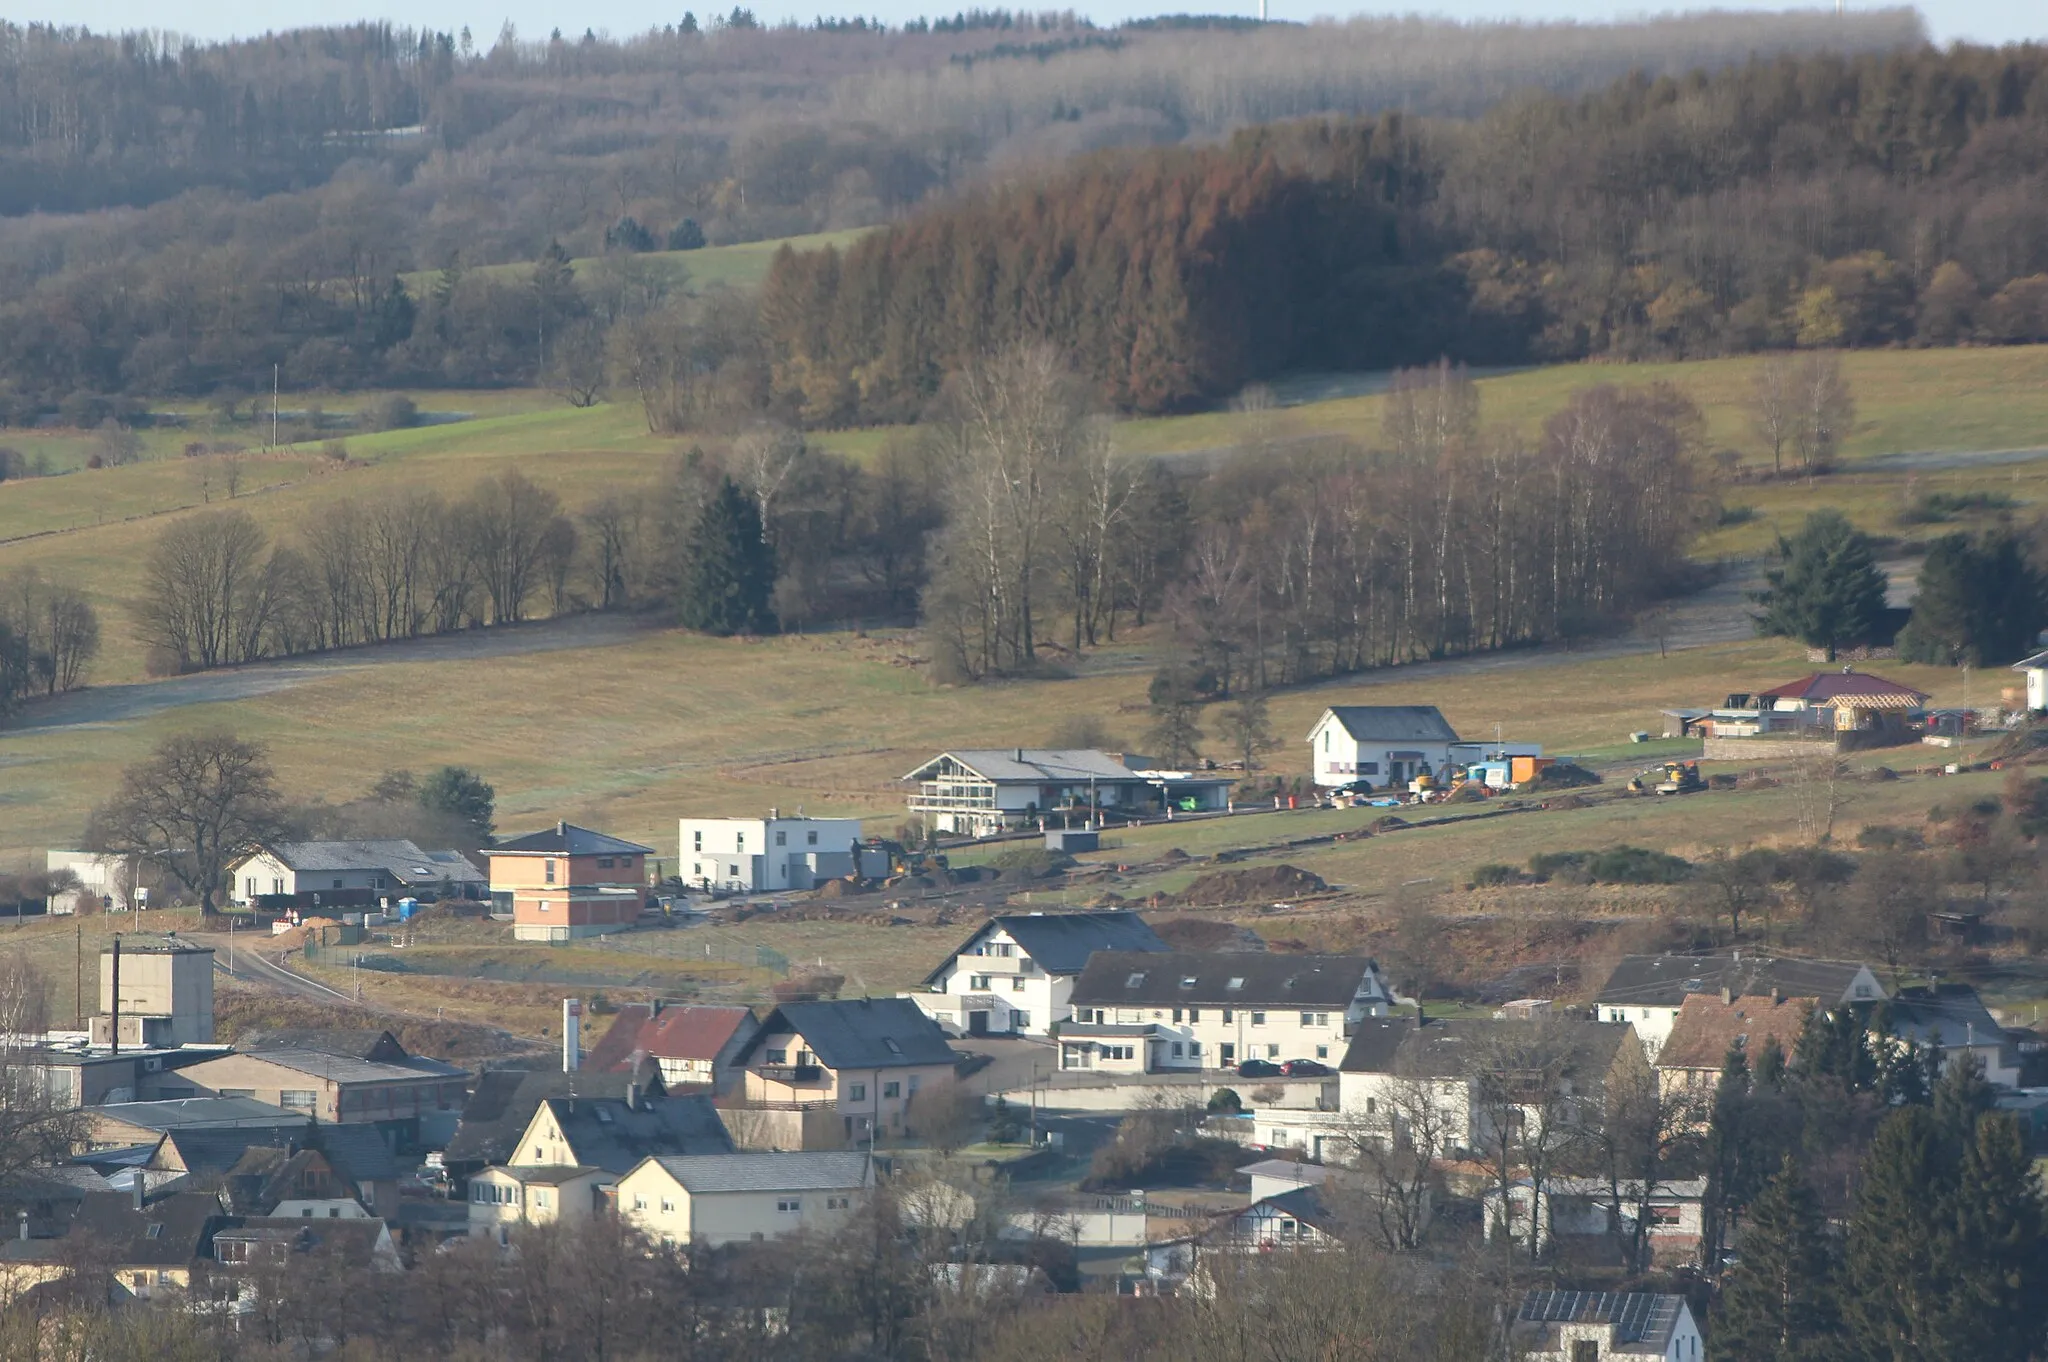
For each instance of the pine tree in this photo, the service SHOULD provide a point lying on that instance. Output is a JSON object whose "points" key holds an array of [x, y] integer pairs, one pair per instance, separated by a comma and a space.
{"points": [[1998, 1301], [1895, 1299], [1778, 1304], [728, 571], [1828, 590]]}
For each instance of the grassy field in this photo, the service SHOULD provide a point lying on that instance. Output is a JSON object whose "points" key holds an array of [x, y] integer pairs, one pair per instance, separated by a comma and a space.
{"points": [[743, 265]]}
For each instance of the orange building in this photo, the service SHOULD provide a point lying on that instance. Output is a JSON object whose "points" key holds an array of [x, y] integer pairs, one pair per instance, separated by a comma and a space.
{"points": [[568, 882]]}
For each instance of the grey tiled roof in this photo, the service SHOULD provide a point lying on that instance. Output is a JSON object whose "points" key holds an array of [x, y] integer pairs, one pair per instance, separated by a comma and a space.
{"points": [[566, 839], [348, 1069], [795, 1172], [1394, 723], [1205, 978], [858, 1033], [402, 859], [1060, 943], [193, 1113], [1666, 980]]}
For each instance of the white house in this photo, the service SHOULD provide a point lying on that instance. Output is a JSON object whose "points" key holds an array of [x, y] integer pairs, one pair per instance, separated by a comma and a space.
{"points": [[1585, 1208], [1587, 1326], [358, 871], [1015, 975], [1382, 744], [2036, 670], [715, 1199], [982, 791], [1190, 1010], [1646, 991], [767, 855], [107, 881]]}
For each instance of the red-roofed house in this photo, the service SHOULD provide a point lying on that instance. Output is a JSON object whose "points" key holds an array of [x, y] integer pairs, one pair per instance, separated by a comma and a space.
{"points": [[694, 1045], [1709, 1024], [1823, 704]]}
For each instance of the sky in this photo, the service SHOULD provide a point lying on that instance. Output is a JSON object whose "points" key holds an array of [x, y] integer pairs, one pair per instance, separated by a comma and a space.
{"points": [[1990, 21]]}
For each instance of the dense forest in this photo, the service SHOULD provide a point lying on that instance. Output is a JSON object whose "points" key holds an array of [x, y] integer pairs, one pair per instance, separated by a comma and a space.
{"points": [[174, 221], [1823, 202]]}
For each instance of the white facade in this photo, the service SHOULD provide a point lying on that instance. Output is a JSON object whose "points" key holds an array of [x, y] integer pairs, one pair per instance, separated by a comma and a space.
{"points": [[1195, 1038], [1596, 1340], [1653, 1021], [766, 855], [1341, 758], [2035, 669], [264, 873], [995, 976], [109, 881]]}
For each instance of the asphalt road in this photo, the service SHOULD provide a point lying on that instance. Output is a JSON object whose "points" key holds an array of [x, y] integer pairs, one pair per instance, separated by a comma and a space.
{"points": [[238, 961]]}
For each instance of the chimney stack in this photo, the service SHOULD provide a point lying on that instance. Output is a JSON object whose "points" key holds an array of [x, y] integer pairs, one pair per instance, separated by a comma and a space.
{"points": [[21, 1220], [1727, 996], [114, 1027], [572, 1035], [633, 1095], [562, 829], [141, 1188]]}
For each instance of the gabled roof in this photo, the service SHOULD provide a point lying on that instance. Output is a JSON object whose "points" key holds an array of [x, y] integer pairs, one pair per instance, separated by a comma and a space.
{"points": [[404, 860], [1642, 1322], [169, 1231], [820, 1170], [1453, 1048], [357, 1150], [1820, 688], [1707, 1026], [541, 1175], [1305, 1203], [216, 1150], [675, 1031], [1060, 943], [1035, 765], [355, 1241], [502, 1103], [2037, 662], [366, 1042], [566, 839], [858, 1033], [1667, 980], [1952, 1012], [1221, 979], [1392, 723], [607, 1133]]}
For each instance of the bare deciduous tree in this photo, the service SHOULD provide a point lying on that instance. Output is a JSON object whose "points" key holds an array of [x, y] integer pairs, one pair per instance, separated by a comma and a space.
{"points": [[38, 1124], [205, 592], [194, 806], [507, 521], [1773, 415]]}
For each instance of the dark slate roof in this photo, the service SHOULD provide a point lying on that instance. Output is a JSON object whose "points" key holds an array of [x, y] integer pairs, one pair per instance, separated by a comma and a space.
{"points": [[566, 839], [504, 1100], [335, 1068], [678, 1031], [183, 1221], [353, 1241], [859, 1033], [795, 1172], [1444, 1049], [405, 861], [1220, 979], [1306, 1204], [1394, 723], [1952, 1012], [1060, 943], [606, 1133], [366, 1042], [216, 1151], [357, 1151], [1666, 980], [1640, 1320], [194, 1113]]}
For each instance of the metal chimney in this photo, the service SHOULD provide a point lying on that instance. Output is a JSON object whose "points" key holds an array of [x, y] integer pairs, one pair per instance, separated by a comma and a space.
{"points": [[572, 1035]]}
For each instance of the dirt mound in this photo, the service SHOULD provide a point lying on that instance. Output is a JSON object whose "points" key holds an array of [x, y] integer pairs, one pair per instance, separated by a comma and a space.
{"points": [[1206, 934], [1174, 856], [1388, 823], [1266, 884]]}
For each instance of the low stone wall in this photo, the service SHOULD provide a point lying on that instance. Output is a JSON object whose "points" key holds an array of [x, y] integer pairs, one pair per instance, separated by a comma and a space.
{"points": [[1766, 749]]}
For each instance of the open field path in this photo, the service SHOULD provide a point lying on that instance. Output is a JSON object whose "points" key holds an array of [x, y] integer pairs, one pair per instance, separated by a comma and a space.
{"points": [[118, 704]]}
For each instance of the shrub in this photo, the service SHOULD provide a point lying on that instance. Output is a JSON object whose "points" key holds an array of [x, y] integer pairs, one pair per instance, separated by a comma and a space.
{"points": [[1637, 865], [1225, 1101], [1030, 862], [1495, 874], [392, 411], [1937, 507], [1569, 866], [686, 236], [1737, 515]]}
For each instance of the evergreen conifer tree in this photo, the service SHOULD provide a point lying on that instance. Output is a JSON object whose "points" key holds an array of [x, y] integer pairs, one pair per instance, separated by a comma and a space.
{"points": [[1895, 1300], [1778, 1303], [1998, 1270], [1828, 590], [728, 571]]}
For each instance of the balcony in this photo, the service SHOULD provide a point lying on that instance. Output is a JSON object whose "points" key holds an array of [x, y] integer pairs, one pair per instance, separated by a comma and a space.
{"points": [[792, 1073]]}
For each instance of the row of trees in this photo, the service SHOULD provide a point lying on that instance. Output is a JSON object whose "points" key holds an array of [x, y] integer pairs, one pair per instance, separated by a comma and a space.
{"points": [[1982, 599], [1814, 203], [1295, 560], [49, 636]]}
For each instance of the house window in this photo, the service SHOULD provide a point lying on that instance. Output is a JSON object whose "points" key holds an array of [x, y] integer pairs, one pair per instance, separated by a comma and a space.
{"points": [[1017, 984], [1308, 1019], [540, 1200], [1019, 1019], [1229, 1053], [913, 1085], [697, 842], [1322, 1019], [1176, 1014], [249, 887], [1194, 1049], [778, 1056], [238, 1092], [739, 842], [781, 838], [977, 982], [298, 1099], [836, 1203], [1272, 1052], [856, 1092], [789, 1205], [733, 871], [1229, 1015], [1194, 1014], [337, 883], [891, 1089], [1326, 740], [548, 872], [812, 838], [1586, 1350], [640, 1203], [277, 886], [1176, 1049], [696, 867], [1322, 1052], [1235, 985], [667, 1207], [604, 863], [1258, 1019]]}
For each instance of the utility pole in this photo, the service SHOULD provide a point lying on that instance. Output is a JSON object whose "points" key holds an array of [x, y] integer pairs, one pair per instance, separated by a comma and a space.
{"points": [[273, 406]]}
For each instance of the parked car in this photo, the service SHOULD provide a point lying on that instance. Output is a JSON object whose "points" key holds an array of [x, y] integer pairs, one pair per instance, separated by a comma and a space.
{"points": [[1258, 1068], [1305, 1068]]}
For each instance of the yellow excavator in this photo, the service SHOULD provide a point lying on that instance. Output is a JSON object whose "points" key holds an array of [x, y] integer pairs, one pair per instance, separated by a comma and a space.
{"points": [[1672, 778]]}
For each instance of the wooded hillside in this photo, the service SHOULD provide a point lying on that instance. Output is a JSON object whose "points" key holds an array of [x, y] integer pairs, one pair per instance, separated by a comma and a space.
{"points": [[1818, 202]]}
